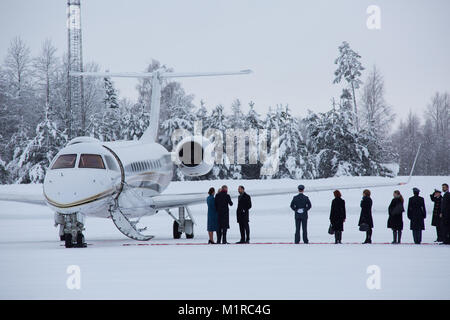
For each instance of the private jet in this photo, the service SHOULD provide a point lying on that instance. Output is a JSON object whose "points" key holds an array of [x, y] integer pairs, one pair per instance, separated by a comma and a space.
{"points": [[125, 180]]}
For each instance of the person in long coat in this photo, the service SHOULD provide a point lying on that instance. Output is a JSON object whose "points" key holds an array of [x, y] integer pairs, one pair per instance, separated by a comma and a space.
{"points": [[337, 216], [436, 220], [242, 214], [212, 224], [417, 214], [366, 215], [445, 214], [395, 221], [222, 201]]}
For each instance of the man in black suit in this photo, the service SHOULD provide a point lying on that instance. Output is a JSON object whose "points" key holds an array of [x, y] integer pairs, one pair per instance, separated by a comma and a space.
{"points": [[417, 214], [445, 214], [242, 214]]}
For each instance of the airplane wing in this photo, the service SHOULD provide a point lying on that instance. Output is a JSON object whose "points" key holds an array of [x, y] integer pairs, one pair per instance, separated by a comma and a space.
{"points": [[168, 201], [31, 198]]}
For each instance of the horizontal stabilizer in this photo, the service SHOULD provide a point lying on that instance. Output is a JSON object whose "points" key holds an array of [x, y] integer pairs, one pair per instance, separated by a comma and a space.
{"points": [[162, 75]]}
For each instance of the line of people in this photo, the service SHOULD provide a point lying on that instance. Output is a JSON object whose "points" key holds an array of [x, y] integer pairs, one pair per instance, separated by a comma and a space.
{"points": [[218, 215]]}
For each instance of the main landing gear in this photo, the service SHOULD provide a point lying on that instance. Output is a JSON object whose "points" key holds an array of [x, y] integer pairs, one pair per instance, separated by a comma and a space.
{"points": [[182, 225], [71, 227]]}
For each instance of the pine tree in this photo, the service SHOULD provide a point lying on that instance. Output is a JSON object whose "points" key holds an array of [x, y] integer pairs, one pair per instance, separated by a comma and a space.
{"points": [[252, 121], [35, 158], [294, 160], [338, 148], [349, 68], [110, 99]]}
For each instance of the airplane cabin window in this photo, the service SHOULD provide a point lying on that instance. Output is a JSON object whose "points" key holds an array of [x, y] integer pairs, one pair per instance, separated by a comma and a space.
{"points": [[65, 161], [111, 163], [91, 161]]}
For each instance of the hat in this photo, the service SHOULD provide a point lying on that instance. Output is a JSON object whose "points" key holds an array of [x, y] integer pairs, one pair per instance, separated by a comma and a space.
{"points": [[436, 190], [301, 187], [415, 190]]}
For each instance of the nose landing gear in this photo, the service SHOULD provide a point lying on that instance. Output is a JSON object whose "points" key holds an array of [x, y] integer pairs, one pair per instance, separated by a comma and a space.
{"points": [[71, 227]]}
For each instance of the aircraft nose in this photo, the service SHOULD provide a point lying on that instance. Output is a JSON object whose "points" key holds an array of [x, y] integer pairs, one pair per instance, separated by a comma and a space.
{"points": [[67, 188]]}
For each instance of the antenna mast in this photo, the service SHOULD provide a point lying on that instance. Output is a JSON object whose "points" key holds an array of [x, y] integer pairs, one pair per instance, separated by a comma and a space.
{"points": [[75, 95]]}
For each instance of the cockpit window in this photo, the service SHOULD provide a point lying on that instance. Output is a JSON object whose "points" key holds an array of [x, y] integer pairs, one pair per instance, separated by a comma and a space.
{"points": [[111, 163], [65, 161], [91, 161]]}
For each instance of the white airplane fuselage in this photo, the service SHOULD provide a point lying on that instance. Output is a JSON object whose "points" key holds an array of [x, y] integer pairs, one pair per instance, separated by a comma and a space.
{"points": [[87, 176]]}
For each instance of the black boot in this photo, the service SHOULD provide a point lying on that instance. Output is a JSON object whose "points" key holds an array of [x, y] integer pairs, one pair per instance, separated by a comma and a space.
{"points": [[394, 232], [224, 237], [368, 236], [399, 236]]}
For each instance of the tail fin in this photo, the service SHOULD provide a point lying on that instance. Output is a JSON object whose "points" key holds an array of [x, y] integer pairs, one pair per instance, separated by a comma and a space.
{"points": [[151, 134]]}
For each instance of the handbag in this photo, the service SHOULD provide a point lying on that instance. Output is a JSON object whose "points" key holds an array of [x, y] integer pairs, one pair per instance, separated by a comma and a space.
{"points": [[364, 227], [330, 229]]}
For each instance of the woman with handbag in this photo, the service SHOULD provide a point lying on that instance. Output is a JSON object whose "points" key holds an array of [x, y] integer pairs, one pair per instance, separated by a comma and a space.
{"points": [[365, 219], [395, 221], [337, 216]]}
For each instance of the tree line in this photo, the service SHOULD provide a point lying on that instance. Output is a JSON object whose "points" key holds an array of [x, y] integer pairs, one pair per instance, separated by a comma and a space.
{"points": [[355, 137]]}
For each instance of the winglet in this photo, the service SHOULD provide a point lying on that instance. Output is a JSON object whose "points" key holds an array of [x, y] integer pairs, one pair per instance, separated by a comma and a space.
{"points": [[414, 165]]}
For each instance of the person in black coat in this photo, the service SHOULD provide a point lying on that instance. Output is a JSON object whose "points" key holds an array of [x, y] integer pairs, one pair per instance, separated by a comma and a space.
{"points": [[445, 214], [337, 216], [436, 197], [417, 214], [395, 221], [365, 219], [242, 214], [222, 201]]}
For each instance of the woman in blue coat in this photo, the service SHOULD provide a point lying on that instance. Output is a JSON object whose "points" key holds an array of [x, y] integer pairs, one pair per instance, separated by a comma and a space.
{"points": [[212, 215]]}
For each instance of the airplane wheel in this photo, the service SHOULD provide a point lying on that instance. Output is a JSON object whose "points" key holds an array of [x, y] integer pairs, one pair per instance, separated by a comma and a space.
{"points": [[68, 240], [176, 233], [80, 240], [190, 236]]}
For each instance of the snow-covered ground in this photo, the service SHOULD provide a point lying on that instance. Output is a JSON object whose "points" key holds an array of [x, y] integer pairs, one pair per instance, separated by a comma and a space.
{"points": [[33, 263]]}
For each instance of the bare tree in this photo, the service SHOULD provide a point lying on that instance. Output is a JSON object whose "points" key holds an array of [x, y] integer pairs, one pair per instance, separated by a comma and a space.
{"points": [[376, 114], [438, 112], [93, 98], [17, 64], [46, 66]]}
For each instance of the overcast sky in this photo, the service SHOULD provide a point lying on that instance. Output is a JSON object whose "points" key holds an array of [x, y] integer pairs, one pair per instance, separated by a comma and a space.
{"points": [[290, 45]]}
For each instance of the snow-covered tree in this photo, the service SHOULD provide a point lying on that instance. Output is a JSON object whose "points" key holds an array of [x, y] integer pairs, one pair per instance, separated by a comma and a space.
{"points": [[30, 165], [294, 160], [110, 98], [349, 69], [338, 148]]}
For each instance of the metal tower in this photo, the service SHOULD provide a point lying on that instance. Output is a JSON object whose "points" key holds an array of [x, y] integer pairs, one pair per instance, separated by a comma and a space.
{"points": [[75, 99]]}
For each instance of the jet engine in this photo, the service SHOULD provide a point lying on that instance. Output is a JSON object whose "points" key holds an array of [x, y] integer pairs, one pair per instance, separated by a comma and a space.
{"points": [[194, 156]]}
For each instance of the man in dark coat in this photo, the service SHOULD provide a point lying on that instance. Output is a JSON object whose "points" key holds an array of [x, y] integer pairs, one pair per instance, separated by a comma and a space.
{"points": [[417, 214], [242, 214], [445, 214], [301, 204], [222, 201], [436, 197]]}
